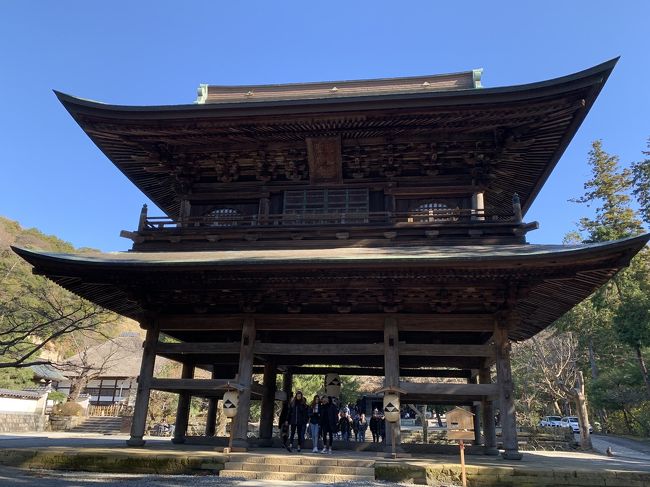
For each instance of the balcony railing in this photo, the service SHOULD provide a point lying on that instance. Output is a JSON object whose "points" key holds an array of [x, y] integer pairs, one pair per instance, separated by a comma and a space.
{"points": [[428, 218]]}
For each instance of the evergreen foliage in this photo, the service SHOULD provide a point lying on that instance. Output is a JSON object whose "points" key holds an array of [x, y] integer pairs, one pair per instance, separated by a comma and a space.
{"points": [[611, 328]]}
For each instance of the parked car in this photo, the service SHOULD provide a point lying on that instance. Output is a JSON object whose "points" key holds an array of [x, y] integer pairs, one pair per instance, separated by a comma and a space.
{"points": [[573, 423], [553, 421]]}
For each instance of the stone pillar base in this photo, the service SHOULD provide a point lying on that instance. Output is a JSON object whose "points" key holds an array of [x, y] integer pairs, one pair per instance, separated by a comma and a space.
{"points": [[266, 442], [178, 441], [512, 455], [135, 441], [490, 450], [239, 444]]}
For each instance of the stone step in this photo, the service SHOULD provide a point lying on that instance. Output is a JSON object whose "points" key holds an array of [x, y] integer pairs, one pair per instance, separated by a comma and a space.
{"points": [[304, 458], [306, 477], [316, 468]]}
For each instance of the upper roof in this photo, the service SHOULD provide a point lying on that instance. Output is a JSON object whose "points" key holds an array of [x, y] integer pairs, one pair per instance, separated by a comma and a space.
{"points": [[517, 133], [329, 89]]}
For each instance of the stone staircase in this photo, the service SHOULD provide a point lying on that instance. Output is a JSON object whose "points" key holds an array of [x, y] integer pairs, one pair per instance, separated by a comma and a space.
{"points": [[309, 467], [103, 425]]}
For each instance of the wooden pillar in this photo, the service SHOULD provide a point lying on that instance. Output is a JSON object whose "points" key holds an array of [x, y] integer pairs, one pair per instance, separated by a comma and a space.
{"points": [[487, 413], [245, 375], [211, 418], [476, 410], [268, 404], [391, 374], [183, 408], [144, 382], [506, 388], [287, 382]]}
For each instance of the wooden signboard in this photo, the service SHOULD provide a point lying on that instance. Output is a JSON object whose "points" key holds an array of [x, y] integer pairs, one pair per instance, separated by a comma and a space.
{"points": [[460, 424]]}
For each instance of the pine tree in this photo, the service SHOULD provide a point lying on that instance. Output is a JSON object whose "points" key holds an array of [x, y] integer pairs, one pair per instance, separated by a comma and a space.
{"points": [[608, 187]]}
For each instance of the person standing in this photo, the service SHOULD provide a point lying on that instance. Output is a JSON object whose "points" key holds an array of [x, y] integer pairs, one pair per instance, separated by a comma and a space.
{"points": [[297, 419], [362, 427], [328, 423], [374, 426], [345, 425], [314, 421], [382, 428]]}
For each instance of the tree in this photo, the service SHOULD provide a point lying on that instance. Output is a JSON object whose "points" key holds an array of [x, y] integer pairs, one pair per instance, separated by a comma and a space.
{"points": [[641, 176], [40, 315], [632, 323], [89, 363], [552, 362], [609, 188]]}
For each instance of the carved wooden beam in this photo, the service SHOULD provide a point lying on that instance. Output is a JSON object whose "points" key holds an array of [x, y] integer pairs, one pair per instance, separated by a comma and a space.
{"points": [[479, 390]]}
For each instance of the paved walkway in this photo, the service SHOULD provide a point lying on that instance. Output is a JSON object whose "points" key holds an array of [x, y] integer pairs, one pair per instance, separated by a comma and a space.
{"points": [[14, 477], [625, 459], [622, 447]]}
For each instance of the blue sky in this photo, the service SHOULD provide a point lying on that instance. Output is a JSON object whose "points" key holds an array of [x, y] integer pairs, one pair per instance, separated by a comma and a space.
{"points": [[157, 52]]}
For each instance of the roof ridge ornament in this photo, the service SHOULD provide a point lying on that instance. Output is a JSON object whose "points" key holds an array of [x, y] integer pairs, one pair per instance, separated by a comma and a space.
{"points": [[476, 77]]}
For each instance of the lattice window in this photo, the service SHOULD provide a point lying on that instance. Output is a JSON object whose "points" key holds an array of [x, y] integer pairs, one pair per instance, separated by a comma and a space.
{"points": [[223, 217], [433, 211], [323, 206]]}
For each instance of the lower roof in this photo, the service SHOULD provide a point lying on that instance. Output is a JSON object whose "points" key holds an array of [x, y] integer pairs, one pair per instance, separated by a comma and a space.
{"points": [[547, 280], [472, 254]]}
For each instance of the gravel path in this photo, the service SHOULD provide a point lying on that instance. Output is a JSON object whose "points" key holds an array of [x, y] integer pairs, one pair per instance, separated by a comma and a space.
{"points": [[14, 477]]}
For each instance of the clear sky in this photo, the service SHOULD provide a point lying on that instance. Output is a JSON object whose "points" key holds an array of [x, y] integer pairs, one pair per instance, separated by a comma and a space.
{"points": [[157, 52]]}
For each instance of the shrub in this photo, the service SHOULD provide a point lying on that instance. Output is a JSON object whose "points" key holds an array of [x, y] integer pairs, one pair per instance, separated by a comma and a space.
{"points": [[69, 409]]}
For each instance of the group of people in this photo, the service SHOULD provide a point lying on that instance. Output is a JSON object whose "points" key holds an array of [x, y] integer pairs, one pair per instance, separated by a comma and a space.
{"points": [[323, 420]]}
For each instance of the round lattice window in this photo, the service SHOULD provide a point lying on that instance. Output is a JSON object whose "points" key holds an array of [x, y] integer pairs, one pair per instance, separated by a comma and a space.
{"points": [[222, 217]]}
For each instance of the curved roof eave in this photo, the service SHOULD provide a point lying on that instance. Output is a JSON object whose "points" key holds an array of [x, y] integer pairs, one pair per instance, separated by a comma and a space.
{"points": [[591, 76], [474, 256]]}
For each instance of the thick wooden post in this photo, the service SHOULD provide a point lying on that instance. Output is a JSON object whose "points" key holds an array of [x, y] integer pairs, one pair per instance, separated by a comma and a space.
{"points": [[391, 375], [268, 404], [211, 418], [183, 408], [506, 388], [487, 413], [287, 383], [245, 375], [476, 411], [144, 382]]}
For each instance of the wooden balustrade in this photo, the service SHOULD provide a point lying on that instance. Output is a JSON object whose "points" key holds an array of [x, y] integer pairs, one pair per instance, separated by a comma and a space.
{"points": [[430, 217]]}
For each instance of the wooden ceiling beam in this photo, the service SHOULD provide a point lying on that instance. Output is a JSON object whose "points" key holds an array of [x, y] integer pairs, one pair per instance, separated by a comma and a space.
{"points": [[442, 322]]}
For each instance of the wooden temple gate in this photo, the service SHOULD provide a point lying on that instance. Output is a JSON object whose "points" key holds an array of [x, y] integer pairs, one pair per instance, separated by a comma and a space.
{"points": [[375, 226]]}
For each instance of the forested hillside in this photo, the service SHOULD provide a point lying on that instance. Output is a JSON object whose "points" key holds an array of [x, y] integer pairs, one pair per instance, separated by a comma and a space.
{"points": [[39, 321]]}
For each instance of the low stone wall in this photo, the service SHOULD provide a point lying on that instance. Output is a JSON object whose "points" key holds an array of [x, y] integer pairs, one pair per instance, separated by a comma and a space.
{"points": [[22, 422], [493, 476], [64, 423], [115, 462]]}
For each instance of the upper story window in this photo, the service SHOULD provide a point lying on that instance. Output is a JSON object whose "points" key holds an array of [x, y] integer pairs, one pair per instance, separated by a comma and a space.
{"points": [[223, 217], [433, 211], [323, 206]]}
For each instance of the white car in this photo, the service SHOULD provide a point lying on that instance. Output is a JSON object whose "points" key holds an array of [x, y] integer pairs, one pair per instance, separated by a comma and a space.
{"points": [[553, 421], [573, 423]]}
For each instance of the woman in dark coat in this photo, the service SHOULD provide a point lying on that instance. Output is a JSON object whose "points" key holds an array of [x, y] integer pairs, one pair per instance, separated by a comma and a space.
{"points": [[298, 414], [374, 426], [328, 423]]}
